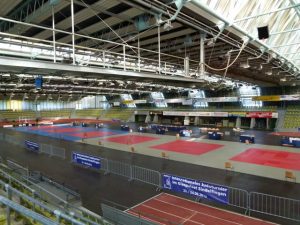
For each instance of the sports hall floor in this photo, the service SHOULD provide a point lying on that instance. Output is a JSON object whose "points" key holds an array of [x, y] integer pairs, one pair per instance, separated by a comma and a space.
{"points": [[258, 167]]}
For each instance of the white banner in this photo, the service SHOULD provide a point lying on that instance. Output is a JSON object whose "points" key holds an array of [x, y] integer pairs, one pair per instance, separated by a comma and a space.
{"points": [[177, 113], [219, 99]]}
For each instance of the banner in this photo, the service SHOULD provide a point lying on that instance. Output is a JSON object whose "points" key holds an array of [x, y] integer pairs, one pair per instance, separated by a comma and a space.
{"points": [[140, 101], [266, 98], [262, 115], [218, 99], [289, 97], [86, 160], [32, 146], [237, 114], [208, 114], [195, 188], [276, 98]]}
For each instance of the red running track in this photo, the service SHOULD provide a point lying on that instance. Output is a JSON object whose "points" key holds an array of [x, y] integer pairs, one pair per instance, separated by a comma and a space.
{"points": [[188, 147], [267, 157], [169, 209]]}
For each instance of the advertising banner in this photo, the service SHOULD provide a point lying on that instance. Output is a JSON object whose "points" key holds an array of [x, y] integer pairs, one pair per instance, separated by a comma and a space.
{"points": [[261, 115], [219, 99], [267, 98], [237, 114], [32, 146], [195, 188], [86, 160]]}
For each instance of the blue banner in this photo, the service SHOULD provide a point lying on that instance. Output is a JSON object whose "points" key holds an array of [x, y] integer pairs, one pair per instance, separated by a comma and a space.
{"points": [[32, 146], [196, 188], [86, 160]]}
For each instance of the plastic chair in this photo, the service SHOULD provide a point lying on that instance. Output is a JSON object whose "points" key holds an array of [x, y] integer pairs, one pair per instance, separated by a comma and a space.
{"points": [[290, 175]]}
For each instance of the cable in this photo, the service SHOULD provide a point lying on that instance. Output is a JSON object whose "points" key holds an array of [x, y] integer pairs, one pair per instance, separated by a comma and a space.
{"points": [[216, 69]]}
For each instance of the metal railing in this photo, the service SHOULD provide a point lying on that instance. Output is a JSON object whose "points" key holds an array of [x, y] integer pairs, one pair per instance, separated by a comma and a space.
{"points": [[53, 150], [148, 176], [17, 168], [274, 205], [44, 148]]}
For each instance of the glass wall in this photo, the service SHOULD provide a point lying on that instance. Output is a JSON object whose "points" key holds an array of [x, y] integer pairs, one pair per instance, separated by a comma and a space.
{"points": [[246, 94], [197, 95], [159, 99]]}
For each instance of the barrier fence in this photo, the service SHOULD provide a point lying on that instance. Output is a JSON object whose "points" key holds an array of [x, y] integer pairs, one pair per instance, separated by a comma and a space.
{"points": [[40, 148], [251, 202], [274, 205]]}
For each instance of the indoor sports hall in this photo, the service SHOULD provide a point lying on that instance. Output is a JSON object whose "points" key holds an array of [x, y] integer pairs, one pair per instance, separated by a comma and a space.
{"points": [[127, 112]]}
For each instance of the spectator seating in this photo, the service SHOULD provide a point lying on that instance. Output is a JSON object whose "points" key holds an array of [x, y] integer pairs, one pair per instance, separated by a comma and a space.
{"points": [[119, 113], [16, 115], [84, 113], [65, 113], [292, 117], [40, 203]]}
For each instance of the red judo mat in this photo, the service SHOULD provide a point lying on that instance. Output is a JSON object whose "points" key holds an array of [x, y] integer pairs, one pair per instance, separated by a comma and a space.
{"points": [[287, 134], [169, 209], [273, 158], [130, 139], [92, 134], [187, 147]]}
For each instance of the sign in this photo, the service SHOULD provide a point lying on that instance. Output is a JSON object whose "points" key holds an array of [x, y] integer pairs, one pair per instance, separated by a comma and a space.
{"points": [[208, 114], [276, 98], [267, 98], [32, 146], [237, 114], [140, 101], [262, 115], [195, 188], [86, 160], [219, 99]]}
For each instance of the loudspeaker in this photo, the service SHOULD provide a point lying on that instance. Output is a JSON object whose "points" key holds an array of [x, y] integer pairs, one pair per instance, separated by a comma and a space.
{"points": [[263, 32]]}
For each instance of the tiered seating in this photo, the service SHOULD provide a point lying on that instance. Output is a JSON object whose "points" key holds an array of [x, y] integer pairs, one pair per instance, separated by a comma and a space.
{"points": [[16, 115], [118, 113], [292, 117], [23, 196], [84, 113], [65, 113]]}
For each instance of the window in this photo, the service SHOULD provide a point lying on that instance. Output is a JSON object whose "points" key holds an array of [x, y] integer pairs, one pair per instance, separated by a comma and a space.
{"points": [[246, 94], [159, 99], [127, 100], [198, 96]]}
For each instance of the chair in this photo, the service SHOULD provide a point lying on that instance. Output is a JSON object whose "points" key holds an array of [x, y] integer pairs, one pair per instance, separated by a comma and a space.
{"points": [[164, 155], [132, 149], [228, 166], [290, 175]]}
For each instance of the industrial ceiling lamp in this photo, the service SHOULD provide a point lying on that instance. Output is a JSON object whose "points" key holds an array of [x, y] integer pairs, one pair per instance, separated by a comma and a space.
{"points": [[245, 65]]}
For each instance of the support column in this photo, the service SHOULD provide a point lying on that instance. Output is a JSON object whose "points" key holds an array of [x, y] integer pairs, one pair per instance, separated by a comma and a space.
{"points": [[252, 123], [196, 120], [202, 55], [238, 122], [148, 119], [53, 34], [268, 123], [155, 119], [139, 54], [158, 38], [73, 32], [186, 120]]}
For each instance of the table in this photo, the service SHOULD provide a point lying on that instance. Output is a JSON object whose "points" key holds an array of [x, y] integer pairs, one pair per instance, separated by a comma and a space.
{"points": [[168, 127], [160, 131], [215, 135], [207, 129], [185, 133], [143, 129], [125, 127], [245, 137]]}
